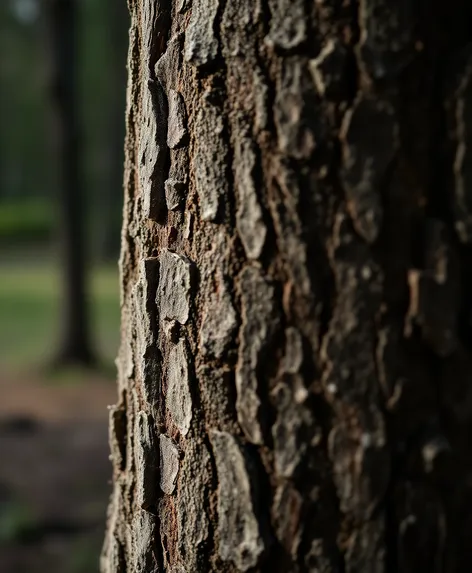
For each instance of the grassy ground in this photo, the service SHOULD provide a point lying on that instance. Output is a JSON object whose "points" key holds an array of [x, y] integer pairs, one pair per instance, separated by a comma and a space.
{"points": [[30, 302], [57, 433]]}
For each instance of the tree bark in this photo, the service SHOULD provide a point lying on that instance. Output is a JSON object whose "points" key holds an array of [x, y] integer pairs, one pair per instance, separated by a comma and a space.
{"points": [[294, 372], [75, 346]]}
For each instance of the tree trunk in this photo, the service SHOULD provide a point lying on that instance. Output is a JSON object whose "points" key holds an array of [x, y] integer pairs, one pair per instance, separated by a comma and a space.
{"points": [[294, 373], [75, 344]]}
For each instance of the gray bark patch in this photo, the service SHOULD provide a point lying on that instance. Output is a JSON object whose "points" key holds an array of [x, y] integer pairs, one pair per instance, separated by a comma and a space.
{"points": [[249, 219], [174, 193], [153, 148], [192, 517], [173, 293], [210, 160], [219, 321], [168, 65], [169, 463], [147, 359], [146, 461], [258, 325], [240, 539], [176, 124], [143, 532], [201, 43], [178, 398]]}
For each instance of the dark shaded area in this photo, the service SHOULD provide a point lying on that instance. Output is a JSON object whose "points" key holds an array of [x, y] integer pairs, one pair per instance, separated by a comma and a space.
{"points": [[54, 478]]}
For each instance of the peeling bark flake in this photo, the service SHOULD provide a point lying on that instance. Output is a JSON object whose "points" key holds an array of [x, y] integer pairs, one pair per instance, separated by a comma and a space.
{"points": [[146, 462], [258, 325], [168, 65], [240, 539], [201, 43], [178, 397], [153, 149], [174, 193], [249, 219], [147, 358], [169, 463], [143, 535], [154, 20], [173, 293], [176, 124]]}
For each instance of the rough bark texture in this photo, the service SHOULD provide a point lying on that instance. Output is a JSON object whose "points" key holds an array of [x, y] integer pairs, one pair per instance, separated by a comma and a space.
{"points": [[294, 374]]}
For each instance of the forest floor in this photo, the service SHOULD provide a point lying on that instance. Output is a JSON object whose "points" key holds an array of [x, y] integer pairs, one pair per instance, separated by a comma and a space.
{"points": [[54, 473], [54, 467]]}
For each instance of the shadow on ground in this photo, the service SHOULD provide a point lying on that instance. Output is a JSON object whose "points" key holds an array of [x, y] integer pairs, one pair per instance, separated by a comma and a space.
{"points": [[54, 474]]}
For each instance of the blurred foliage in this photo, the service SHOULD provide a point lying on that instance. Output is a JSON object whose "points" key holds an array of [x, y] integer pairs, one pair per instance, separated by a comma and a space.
{"points": [[28, 164], [29, 310], [26, 220], [16, 520], [83, 556]]}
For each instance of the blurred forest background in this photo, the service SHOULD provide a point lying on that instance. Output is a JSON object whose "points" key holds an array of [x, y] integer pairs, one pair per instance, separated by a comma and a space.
{"points": [[59, 307]]}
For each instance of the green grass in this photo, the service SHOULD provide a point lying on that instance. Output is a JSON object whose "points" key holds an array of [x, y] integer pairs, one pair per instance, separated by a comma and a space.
{"points": [[25, 219], [30, 302]]}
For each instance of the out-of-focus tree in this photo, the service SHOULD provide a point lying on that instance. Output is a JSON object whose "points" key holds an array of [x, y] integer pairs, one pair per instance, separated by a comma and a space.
{"points": [[111, 199], [62, 17]]}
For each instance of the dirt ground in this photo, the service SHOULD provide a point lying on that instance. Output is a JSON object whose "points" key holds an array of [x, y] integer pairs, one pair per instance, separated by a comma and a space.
{"points": [[54, 474]]}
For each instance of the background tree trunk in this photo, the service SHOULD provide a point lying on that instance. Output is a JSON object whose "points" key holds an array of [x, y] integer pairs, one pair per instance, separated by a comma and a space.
{"points": [[111, 199], [294, 374], [75, 346]]}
